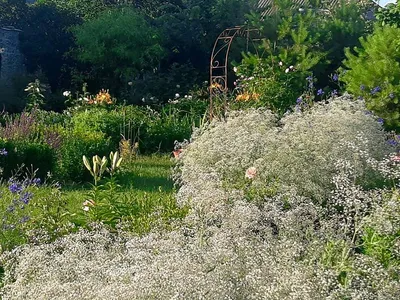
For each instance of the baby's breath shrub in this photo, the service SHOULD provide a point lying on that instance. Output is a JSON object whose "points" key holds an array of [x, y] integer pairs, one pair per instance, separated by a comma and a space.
{"points": [[298, 151]]}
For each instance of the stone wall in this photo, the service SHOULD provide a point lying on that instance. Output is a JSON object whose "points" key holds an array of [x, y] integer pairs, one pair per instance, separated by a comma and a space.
{"points": [[11, 58]]}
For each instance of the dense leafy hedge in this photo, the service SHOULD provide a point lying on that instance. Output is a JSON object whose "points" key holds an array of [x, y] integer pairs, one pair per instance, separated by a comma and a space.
{"points": [[33, 155]]}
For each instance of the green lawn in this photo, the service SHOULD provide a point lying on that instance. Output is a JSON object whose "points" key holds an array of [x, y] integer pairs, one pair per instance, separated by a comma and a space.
{"points": [[144, 199]]}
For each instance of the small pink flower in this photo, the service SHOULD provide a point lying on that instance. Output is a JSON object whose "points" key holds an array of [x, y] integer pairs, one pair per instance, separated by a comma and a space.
{"points": [[396, 158], [86, 205], [251, 173], [177, 152]]}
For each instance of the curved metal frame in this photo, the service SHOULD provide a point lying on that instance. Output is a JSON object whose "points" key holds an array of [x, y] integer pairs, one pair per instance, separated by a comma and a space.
{"points": [[219, 60]]}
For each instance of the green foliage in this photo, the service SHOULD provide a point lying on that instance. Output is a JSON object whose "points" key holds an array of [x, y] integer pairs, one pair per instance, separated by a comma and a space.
{"points": [[31, 214], [389, 15], [380, 247], [278, 78], [120, 42], [99, 120], [12, 11], [35, 92], [372, 72], [164, 128], [74, 146], [296, 44], [30, 154], [83, 9]]}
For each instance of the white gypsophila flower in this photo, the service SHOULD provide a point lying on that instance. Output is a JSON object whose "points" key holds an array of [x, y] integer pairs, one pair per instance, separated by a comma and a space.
{"points": [[66, 93], [287, 70], [177, 95]]}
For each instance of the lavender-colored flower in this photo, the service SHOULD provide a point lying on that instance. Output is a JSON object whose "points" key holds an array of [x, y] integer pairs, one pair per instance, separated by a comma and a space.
{"points": [[335, 77], [311, 85], [392, 142], [24, 219], [36, 181], [375, 90], [299, 100], [3, 152], [26, 197], [15, 188], [320, 92], [391, 95], [309, 78], [334, 92], [362, 87], [380, 121]]}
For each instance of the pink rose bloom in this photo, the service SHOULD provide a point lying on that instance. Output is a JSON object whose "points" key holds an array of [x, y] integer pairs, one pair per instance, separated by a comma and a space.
{"points": [[396, 158], [251, 173]]}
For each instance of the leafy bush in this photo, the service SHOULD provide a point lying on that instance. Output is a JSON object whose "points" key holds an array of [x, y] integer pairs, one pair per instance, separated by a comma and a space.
{"points": [[74, 146], [297, 43], [372, 72], [113, 44], [31, 155], [389, 15], [30, 214], [164, 128], [29, 142]]}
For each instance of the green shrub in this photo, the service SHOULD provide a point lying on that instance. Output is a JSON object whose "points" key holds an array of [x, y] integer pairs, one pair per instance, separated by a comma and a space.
{"points": [[113, 44], [297, 43], [373, 73], [125, 120], [74, 146], [389, 15], [163, 129], [33, 155]]}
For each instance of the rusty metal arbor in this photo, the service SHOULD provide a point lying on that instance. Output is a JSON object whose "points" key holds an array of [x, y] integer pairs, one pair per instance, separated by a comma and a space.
{"points": [[220, 60]]}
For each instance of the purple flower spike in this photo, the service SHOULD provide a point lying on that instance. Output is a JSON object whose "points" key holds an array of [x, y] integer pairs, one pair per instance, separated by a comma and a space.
{"points": [[15, 188], [375, 90], [26, 197]]}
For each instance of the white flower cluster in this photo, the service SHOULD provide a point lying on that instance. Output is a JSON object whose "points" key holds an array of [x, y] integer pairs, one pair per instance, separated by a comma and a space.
{"points": [[278, 209]]}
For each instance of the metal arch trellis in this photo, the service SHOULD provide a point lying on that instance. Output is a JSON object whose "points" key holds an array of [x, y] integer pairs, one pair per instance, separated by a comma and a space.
{"points": [[219, 60]]}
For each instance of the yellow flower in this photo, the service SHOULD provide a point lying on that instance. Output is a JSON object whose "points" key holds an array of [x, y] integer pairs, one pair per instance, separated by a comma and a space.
{"points": [[247, 97], [103, 97], [243, 97], [216, 85]]}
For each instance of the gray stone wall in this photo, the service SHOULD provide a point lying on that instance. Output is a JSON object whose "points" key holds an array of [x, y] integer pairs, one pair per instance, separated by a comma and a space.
{"points": [[11, 58]]}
